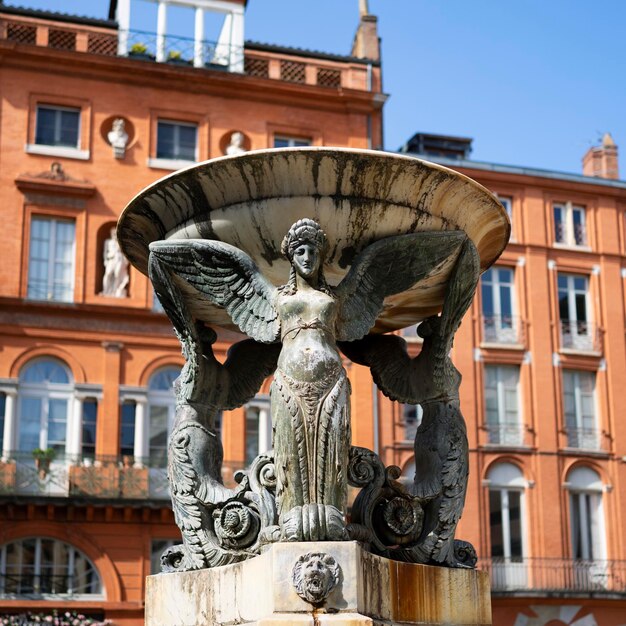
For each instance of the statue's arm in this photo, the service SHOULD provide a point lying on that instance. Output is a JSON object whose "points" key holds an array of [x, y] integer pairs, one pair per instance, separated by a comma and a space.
{"points": [[227, 277]]}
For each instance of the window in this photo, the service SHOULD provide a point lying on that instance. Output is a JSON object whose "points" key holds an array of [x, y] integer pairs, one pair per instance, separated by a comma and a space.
{"points": [[410, 334], [161, 411], [282, 141], [506, 526], [586, 515], [176, 141], [411, 419], [507, 203], [127, 429], [258, 428], [44, 394], [3, 404], [90, 417], [569, 224], [51, 260], [573, 312], [502, 405], [41, 567], [499, 325], [57, 126], [579, 409]]}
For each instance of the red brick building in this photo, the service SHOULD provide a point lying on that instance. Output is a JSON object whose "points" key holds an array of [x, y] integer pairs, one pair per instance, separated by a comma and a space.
{"points": [[85, 378], [542, 350]]}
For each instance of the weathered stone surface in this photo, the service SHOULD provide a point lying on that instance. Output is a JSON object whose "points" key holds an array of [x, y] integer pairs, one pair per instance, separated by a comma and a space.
{"points": [[372, 590], [358, 197]]}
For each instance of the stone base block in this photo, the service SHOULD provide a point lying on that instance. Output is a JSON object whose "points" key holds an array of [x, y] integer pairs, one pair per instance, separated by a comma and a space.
{"points": [[336, 584]]}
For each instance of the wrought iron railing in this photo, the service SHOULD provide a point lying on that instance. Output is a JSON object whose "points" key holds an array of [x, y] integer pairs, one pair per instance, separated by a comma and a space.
{"points": [[182, 50], [501, 329], [581, 336], [583, 438], [575, 576], [45, 583], [505, 434], [110, 477], [253, 59]]}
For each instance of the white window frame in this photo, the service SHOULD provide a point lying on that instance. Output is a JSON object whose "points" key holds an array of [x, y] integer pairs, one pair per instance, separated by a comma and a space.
{"points": [[173, 163], [292, 140], [507, 203], [498, 331], [506, 432], [504, 478], [568, 210], [578, 332], [54, 221], [583, 438], [46, 392], [71, 552], [260, 403], [160, 398], [585, 489], [68, 152]]}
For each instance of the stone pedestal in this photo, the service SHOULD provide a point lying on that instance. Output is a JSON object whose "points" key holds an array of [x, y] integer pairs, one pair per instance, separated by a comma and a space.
{"points": [[369, 590]]}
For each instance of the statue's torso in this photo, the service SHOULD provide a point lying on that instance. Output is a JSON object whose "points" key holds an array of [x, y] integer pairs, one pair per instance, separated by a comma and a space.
{"points": [[308, 333]]}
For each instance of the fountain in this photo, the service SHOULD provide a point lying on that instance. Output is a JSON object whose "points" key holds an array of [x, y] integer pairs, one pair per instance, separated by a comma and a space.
{"points": [[313, 253]]}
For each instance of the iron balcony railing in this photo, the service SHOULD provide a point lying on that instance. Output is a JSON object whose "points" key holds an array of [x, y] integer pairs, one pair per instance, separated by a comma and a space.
{"points": [[565, 576], [253, 59], [500, 329], [505, 434], [580, 336], [583, 438], [110, 477]]}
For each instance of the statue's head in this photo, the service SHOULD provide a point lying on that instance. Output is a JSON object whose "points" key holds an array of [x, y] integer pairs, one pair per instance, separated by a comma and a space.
{"points": [[236, 139], [305, 246]]}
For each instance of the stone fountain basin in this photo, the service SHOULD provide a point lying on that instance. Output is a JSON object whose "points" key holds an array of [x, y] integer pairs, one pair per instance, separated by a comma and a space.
{"points": [[358, 197]]}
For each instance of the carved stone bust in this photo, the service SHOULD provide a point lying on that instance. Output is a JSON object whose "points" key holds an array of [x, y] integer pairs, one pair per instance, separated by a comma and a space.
{"points": [[315, 575]]}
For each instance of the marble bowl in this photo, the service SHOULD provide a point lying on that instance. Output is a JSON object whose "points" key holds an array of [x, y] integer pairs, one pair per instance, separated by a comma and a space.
{"points": [[358, 197]]}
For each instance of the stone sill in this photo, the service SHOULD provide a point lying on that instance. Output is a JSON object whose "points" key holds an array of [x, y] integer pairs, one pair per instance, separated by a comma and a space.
{"points": [[169, 164], [57, 151]]}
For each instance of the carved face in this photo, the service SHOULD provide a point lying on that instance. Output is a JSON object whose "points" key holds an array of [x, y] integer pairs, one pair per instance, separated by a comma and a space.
{"points": [[306, 260], [315, 575]]}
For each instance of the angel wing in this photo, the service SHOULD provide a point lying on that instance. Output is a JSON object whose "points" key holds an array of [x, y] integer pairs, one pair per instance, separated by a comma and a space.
{"points": [[459, 292], [387, 267], [227, 277], [390, 364], [248, 364]]}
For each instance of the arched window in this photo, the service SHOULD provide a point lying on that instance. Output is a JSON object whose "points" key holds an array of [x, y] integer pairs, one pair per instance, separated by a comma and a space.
{"points": [[41, 567], [161, 411], [45, 388], [586, 514], [506, 526]]}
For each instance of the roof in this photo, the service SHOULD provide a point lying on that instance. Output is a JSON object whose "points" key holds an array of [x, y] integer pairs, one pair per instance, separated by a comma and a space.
{"points": [[303, 52], [522, 171], [58, 16]]}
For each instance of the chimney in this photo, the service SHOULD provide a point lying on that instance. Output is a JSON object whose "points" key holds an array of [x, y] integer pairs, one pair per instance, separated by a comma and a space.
{"points": [[366, 43], [601, 161]]}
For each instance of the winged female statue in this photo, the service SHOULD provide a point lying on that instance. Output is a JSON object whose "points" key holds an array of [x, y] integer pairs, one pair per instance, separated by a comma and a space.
{"points": [[310, 392]]}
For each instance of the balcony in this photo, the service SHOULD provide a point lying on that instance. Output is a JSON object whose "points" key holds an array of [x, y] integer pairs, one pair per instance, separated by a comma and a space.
{"points": [[583, 439], [556, 576], [101, 478], [580, 337], [505, 434], [503, 330], [262, 61]]}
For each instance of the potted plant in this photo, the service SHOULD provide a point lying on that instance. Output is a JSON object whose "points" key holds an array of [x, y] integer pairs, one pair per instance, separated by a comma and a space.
{"points": [[140, 50], [43, 458], [176, 57]]}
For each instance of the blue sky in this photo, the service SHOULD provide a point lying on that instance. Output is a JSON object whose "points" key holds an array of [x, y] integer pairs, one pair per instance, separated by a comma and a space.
{"points": [[534, 82]]}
